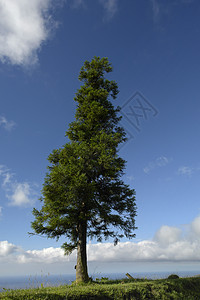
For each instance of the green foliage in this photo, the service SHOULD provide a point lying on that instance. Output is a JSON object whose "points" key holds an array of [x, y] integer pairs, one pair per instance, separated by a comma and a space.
{"points": [[102, 280], [183, 288], [173, 276], [83, 184]]}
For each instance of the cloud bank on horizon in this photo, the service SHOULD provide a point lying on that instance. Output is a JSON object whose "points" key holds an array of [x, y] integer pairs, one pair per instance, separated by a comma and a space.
{"points": [[170, 244]]}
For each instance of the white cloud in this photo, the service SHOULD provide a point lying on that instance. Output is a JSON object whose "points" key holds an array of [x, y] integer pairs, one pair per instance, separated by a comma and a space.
{"points": [[47, 255], [195, 228], [161, 161], [170, 244], [7, 125], [24, 26], [17, 193], [7, 248], [167, 235], [110, 6], [185, 171], [21, 194]]}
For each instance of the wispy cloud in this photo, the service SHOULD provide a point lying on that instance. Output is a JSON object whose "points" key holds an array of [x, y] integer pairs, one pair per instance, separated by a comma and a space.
{"points": [[77, 3], [110, 6], [130, 177], [184, 1], [5, 175], [17, 193], [184, 170], [155, 9], [170, 244], [161, 161], [24, 27], [162, 8], [7, 125]]}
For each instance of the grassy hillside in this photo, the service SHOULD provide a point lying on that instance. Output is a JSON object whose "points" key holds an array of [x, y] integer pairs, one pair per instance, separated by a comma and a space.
{"points": [[182, 288]]}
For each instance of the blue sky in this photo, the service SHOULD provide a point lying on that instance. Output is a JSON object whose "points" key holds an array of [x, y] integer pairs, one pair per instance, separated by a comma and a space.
{"points": [[154, 48]]}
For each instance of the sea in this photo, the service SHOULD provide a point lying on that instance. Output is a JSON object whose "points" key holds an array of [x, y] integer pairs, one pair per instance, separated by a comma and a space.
{"points": [[36, 281]]}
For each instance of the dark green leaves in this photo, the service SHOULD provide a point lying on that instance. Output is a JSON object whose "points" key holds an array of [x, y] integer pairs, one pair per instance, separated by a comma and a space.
{"points": [[83, 184]]}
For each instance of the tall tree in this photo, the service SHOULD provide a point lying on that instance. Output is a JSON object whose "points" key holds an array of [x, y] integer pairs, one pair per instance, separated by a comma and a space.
{"points": [[83, 194]]}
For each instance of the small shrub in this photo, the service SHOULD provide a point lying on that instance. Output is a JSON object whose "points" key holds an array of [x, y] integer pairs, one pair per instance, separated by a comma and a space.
{"points": [[102, 280], [173, 276]]}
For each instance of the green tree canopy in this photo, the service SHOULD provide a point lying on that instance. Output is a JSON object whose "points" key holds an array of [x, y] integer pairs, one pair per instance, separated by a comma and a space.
{"points": [[83, 194]]}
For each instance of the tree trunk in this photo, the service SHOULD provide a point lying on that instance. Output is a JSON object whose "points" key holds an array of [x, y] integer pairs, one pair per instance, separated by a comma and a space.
{"points": [[81, 267]]}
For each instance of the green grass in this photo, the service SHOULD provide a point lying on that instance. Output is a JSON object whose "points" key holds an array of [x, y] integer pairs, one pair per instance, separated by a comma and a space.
{"points": [[182, 288]]}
